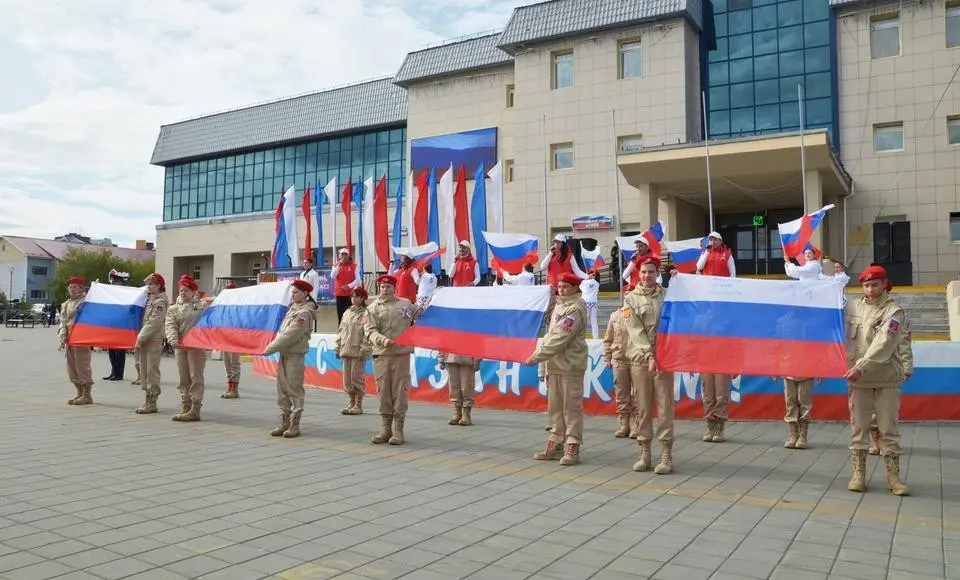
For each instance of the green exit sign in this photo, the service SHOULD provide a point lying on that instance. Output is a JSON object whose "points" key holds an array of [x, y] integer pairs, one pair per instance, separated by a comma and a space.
{"points": [[759, 220]]}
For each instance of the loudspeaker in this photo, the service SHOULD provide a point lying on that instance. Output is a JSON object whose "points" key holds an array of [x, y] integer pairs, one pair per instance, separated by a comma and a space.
{"points": [[900, 273], [900, 238], [881, 243]]}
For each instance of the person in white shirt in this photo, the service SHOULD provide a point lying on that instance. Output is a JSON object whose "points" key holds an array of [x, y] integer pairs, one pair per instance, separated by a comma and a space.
{"points": [[524, 278], [811, 270], [590, 293], [427, 286], [312, 276]]}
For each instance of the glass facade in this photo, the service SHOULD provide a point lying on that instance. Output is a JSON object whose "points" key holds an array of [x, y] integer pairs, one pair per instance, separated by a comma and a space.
{"points": [[252, 182], [765, 49]]}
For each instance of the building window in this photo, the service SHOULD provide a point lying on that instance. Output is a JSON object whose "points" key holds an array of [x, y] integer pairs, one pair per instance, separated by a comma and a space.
{"points": [[630, 143], [953, 130], [38, 295], [561, 156], [955, 226], [510, 96], [631, 63], [888, 137], [952, 31], [885, 36], [508, 171], [39, 270], [562, 69]]}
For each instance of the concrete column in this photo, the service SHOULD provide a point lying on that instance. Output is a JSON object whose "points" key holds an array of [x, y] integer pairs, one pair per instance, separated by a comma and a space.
{"points": [[667, 213], [815, 202], [638, 205]]}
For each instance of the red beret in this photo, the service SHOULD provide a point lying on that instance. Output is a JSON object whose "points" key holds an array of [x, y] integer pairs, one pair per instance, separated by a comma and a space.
{"points": [[76, 280], [650, 259], [873, 273], [188, 281], [571, 279], [158, 279], [303, 285], [230, 286], [361, 292], [387, 279]]}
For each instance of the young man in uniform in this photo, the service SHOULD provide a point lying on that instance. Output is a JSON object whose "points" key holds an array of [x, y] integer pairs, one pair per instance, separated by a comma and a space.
{"points": [[875, 330], [564, 350], [642, 309], [231, 365], [716, 260], [387, 317]]}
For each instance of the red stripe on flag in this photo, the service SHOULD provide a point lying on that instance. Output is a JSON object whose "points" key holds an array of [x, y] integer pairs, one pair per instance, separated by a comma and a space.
{"points": [[461, 219], [82, 335], [308, 241], [381, 237], [749, 356], [421, 214], [348, 227], [469, 343]]}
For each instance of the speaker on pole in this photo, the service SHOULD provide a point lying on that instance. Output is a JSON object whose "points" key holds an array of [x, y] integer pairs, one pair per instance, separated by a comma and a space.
{"points": [[881, 243]]}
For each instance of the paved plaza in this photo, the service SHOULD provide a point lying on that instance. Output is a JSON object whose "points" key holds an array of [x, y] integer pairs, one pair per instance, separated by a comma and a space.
{"points": [[99, 492]]}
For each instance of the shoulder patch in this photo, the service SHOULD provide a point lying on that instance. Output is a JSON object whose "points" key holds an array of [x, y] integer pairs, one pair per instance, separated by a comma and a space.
{"points": [[566, 325], [894, 327]]}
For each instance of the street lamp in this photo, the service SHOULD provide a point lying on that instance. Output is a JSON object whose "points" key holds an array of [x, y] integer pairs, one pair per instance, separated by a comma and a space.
{"points": [[11, 269]]}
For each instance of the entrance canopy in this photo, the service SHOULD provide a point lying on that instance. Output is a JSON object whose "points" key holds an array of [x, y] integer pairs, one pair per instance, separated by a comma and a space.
{"points": [[747, 173]]}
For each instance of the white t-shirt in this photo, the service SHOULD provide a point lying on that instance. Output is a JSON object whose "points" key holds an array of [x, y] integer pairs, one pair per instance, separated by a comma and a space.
{"points": [[427, 286], [590, 290], [524, 278]]}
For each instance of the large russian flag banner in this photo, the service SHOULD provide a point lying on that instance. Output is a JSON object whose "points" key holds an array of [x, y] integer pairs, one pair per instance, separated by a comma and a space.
{"points": [[487, 322], [511, 251], [739, 326], [109, 317], [241, 320]]}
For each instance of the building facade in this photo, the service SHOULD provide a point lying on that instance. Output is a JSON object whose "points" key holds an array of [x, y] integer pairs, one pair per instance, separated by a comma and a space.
{"points": [[730, 115]]}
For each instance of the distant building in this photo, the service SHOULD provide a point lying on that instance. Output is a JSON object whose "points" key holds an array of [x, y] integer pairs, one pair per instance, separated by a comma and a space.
{"points": [[28, 264]]}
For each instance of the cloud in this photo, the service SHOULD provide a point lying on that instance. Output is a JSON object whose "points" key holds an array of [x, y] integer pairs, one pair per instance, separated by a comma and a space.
{"points": [[96, 80]]}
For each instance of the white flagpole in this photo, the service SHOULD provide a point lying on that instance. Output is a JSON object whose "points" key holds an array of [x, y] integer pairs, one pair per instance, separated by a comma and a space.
{"points": [[706, 144], [803, 152], [333, 216], [500, 189], [546, 217], [616, 179], [411, 187]]}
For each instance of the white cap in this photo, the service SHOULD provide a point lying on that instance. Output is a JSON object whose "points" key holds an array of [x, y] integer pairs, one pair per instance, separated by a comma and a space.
{"points": [[641, 240], [403, 252], [715, 235], [344, 252], [465, 244], [559, 238]]}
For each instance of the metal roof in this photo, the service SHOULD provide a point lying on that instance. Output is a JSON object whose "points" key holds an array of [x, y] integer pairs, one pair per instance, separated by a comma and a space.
{"points": [[453, 57], [353, 107], [562, 18], [54, 250]]}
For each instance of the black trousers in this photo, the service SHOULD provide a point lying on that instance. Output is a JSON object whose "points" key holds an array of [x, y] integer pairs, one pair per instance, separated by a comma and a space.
{"points": [[118, 360], [343, 304]]}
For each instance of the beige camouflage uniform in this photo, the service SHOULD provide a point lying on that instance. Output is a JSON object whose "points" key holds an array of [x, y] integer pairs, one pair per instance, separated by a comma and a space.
{"points": [[353, 349], [387, 317], [181, 317], [615, 342], [292, 342], [78, 358], [462, 380], [150, 348]]}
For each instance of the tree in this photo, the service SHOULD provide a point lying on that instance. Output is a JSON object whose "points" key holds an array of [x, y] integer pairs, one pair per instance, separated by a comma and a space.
{"points": [[92, 265]]}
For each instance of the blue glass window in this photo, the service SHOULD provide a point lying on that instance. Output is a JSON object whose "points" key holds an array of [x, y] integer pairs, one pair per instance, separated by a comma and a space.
{"points": [[741, 70], [739, 22], [741, 46], [817, 85], [814, 11], [741, 121], [765, 67], [818, 111], [719, 98], [791, 38], [764, 42], [718, 73], [765, 17], [741, 95], [767, 92], [790, 13], [791, 63], [816, 34], [817, 59], [720, 123], [768, 117]]}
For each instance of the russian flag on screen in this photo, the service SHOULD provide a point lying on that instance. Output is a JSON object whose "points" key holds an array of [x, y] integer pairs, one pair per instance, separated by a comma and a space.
{"points": [[593, 259], [685, 253], [488, 322], [511, 251], [795, 235], [109, 317], [419, 254], [241, 320], [652, 237], [741, 326]]}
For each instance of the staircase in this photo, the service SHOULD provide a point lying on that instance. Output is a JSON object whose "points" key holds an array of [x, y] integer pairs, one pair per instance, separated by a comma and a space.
{"points": [[926, 311]]}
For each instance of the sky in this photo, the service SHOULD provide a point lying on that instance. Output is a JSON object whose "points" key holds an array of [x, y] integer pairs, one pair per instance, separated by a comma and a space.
{"points": [[87, 85]]}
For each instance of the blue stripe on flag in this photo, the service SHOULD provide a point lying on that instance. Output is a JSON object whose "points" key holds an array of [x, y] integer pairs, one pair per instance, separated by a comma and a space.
{"points": [[753, 321], [685, 256], [513, 253], [505, 323], [122, 316], [242, 317]]}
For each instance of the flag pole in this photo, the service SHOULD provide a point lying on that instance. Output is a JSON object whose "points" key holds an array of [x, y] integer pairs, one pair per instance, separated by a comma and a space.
{"points": [[803, 152], [500, 189], [333, 220], [706, 144], [616, 180], [546, 216], [409, 191]]}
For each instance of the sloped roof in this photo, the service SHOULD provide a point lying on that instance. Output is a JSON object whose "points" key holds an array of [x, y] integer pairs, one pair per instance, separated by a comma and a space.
{"points": [[455, 57], [562, 18], [365, 105], [53, 250]]}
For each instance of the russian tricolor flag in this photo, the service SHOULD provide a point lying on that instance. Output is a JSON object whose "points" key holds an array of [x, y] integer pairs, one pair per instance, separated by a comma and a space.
{"points": [[685, 253], [795, 235], [511, 251], [419, 254], [241, 320], [592, 259], [489, 322], [109, 317], [652, 237], [741, 326]]}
